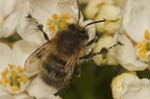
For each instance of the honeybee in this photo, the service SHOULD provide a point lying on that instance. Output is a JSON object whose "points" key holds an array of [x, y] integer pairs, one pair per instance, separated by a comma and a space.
{"points": [[55, 61]]}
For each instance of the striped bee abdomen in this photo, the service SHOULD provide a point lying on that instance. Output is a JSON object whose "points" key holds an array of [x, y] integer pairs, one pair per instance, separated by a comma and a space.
{"points": [[53, 70]]}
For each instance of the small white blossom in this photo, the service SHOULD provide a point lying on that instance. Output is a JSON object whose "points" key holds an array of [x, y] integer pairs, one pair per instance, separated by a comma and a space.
{"points": [[108, 58], [129, 86]]}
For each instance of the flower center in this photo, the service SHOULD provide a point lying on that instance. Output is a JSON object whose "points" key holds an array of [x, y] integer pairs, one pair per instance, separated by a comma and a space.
{"points": [[58, 21], [143, 47], [13, 77]]}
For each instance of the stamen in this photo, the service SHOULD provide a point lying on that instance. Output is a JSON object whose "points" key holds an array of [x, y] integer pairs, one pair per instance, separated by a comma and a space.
{"points": [[5, 72], [20, 69], [13, 78], [10, 66], [58, 21], [4, 81], [142, 53], [141, 45], [49, 22], [55, 16], [147, 35], [52, 27], [62, 23], [65, 15]]}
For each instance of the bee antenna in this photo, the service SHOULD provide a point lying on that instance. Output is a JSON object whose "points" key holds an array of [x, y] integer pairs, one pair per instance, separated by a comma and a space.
{"points": [[93, 23], [78, 11]]}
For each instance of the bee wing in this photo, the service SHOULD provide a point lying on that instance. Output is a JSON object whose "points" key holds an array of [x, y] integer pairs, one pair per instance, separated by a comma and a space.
{"points": [[33, 62], [69, 68]]}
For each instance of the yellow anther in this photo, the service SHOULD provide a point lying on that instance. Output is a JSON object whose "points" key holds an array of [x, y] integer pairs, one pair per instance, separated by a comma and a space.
{"points": [[49, 22], [19, 79], [65, 15], [147, 35], [20, 69], [15, 88], [24, 78], [13, 74], [4, 81], [142, 53], [10, 66], [52, 27], [5, 72], [62, 23], [55, 16], [141, 45]]}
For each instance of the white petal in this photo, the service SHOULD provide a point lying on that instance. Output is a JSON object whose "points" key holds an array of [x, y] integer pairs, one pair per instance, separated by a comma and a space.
{"points": [[92, 8], [28, 97], [6, 56], [41, 9], [6, 7], [136, 19], [21, 96], [138, 89], [7, 97], [40, 89], [69, 6], [21, 50], [28, 31], [11, 21], [119, 84], [109, 12], [3, 93], [129, 86], [127, 55]]}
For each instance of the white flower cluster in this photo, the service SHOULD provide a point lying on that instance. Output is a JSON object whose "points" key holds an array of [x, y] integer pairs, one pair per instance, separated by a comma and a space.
{"points": [[125, 21]]}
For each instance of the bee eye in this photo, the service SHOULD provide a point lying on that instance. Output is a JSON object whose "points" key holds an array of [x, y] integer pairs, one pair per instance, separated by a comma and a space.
{"points": [[72, 27], [84, 34]]}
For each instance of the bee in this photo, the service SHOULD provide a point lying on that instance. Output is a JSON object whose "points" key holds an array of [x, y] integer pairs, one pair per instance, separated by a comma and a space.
{"points": [[55, 61]]}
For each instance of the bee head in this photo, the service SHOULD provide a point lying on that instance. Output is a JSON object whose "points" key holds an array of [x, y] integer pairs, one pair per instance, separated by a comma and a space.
{"points": [[71, 38], [83, 35]]}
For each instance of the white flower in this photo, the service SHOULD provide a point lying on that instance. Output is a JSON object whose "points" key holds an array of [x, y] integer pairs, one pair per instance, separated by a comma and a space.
{"points": [[129, 86], [16, 56], [11, 12], [137, 26], [136, 19], [41, 90], [100, 9], [126, 55], [108, 58], [53, 15], [120, 82], [92, 8]]}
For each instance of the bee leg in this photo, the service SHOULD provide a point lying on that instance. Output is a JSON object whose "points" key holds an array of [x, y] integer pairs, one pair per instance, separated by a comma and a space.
{"points": [[102, 51], [90, 55], [40, 27], [77, 72]]}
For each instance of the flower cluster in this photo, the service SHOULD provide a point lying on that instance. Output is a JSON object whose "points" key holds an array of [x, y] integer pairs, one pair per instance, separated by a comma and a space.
{"points": [[124, 33], [14, 79]]}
